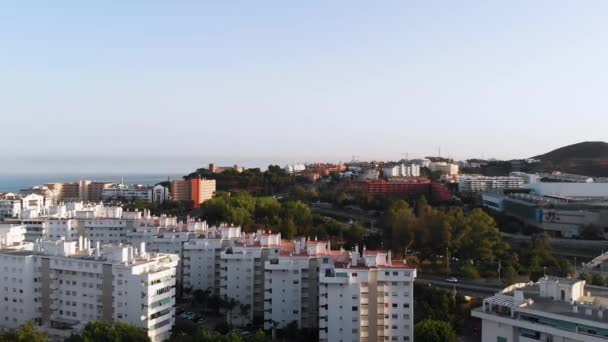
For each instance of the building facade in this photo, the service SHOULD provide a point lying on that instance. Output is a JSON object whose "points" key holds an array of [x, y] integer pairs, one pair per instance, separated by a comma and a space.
{"points": [[553, 309], [63, 285], [366, 297], [476, 184], [195, 190]]}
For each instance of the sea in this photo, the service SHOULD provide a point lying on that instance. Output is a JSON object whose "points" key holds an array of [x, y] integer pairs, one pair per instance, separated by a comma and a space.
{"points": [[14, 183]]}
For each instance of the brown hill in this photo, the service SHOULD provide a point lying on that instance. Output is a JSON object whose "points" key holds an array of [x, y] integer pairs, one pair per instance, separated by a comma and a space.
{"points": [[587, 158]]}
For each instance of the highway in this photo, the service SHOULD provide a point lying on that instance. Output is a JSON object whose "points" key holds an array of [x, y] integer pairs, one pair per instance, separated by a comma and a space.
{"points": [[473, 288]]}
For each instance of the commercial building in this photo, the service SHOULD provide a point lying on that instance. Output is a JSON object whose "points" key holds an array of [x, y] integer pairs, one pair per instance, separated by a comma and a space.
{"points": [[366, 297], [63, 285], [570, 190], [563, 217], [476, 184], [196, 190], [553, 309]]}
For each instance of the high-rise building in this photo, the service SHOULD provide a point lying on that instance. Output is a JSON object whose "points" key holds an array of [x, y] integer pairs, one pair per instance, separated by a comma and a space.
{"points": [[196, 190], [366, 298], [63, 285], [242, 275]]}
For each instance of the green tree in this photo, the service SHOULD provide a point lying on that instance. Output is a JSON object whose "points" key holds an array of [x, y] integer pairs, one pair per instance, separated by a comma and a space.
{"points": [[598, 280], [509, 275], [101, 331], [586, 277], [402, 225], [28, 332], [434, 331], [288, 229], [469, 271], [300, 213]]}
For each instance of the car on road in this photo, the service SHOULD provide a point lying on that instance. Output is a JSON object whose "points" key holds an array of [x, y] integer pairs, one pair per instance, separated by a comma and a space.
{"points": [[452, 280]]}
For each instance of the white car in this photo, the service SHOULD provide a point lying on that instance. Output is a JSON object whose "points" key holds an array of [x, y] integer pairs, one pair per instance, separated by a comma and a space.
{"points": [[452, 280]]}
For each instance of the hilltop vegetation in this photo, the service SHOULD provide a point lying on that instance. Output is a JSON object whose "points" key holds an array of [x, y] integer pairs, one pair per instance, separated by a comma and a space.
{"points": [[587, 158]]}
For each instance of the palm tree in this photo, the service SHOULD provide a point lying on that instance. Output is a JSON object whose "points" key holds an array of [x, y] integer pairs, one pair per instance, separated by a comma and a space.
{"points": [[244, 308], [230, 305]]}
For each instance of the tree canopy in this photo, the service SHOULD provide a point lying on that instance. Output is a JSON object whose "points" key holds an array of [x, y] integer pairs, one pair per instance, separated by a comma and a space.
{"points": [[27, 332], [434, 331], [101, 331]]}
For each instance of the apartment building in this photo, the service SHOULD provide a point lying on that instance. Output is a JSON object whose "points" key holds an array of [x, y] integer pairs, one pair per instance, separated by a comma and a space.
{"points": [[195, 190], [242, 274], [156, 194], [553, 309], [476, 184], [402, 170], [366, 297], [291, 287], [63, 285], [10, 206], [202, 259], [450, 169]]}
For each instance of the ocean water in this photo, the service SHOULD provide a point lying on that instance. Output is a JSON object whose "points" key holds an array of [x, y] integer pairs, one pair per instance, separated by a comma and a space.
{"points": [[13, 183]]}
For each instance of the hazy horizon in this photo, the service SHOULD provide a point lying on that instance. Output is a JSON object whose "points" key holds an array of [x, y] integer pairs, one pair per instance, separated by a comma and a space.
{"points": [[169, 87]]}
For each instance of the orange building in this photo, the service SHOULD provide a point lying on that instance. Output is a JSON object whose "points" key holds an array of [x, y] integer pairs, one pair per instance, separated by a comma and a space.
{"points": [[196, 190]]}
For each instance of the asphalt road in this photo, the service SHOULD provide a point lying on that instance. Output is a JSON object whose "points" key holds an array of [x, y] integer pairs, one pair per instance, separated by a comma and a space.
{"points": [[474, 288]]}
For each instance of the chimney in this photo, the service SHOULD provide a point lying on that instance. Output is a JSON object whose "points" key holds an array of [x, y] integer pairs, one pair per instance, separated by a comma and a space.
{"points": [[142, 248], [80, 243], [389, 257]]}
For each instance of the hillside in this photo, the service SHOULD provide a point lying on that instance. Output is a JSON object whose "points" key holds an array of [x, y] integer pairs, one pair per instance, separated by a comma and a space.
{"points": [[586, 158]]}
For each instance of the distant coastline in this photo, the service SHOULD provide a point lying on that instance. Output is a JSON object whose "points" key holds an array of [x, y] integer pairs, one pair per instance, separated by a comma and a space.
{"points": [[14, 183]]}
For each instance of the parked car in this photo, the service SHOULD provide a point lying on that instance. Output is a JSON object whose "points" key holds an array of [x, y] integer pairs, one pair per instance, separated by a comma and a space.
{"points": [[452, 280]]}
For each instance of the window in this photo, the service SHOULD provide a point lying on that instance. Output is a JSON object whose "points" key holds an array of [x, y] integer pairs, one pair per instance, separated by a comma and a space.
{"points": [[501, 339], [355, 308]]}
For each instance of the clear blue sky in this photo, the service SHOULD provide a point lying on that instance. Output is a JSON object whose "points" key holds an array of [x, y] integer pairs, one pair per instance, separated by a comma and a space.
{"points": [[169, 85]]}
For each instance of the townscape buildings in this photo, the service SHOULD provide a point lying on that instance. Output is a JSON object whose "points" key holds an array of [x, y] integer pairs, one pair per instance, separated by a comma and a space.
{"points": [[89, 262]]}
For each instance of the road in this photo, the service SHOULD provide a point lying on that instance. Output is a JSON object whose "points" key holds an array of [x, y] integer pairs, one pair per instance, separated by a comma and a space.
{"points": [[474, 288]]}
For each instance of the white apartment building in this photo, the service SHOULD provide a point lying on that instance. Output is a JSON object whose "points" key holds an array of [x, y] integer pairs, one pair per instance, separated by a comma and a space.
{"points": [[160, 194], [63, 285], [295, 168], [474, 184], [11, 234], [53, 229], [132, 193], [291, 288], [366, 297], [202, 258], [402, 170], [242, 274], [553, 309], [10, 206], [444, 168]]}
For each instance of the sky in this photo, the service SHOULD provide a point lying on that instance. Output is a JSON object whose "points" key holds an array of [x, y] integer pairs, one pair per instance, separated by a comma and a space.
{"points": [[169, 86]]}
